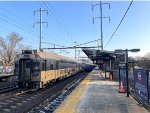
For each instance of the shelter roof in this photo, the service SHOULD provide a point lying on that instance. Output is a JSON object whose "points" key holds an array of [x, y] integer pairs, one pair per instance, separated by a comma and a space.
{"points": [[95, 54]]}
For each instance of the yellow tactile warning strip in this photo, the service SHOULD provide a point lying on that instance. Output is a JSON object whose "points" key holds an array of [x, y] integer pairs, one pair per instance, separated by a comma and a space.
{"points": [[69, 105]]}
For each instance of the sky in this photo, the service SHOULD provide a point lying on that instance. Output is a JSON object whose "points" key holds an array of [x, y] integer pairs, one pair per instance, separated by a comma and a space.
{"points": [[70, 21]]}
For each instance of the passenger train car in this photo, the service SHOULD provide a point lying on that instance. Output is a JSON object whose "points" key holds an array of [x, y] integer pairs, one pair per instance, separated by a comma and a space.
{"points": [[37, 68], [88, 66]]}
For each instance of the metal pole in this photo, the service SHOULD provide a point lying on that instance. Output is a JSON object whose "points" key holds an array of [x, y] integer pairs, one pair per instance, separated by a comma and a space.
{"points": [[105, 73], [148, 83], [75, 48], [40, 22], [101, 25], [110, 68], [127, 82], [78, 54], [40, 29], [119, 77]]}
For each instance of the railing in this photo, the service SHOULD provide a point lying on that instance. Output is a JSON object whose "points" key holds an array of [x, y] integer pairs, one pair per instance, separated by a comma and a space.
{"points": [[132, 87]]}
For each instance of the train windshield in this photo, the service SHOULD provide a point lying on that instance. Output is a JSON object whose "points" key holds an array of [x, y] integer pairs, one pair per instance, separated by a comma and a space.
{"points": [[25, 69]]}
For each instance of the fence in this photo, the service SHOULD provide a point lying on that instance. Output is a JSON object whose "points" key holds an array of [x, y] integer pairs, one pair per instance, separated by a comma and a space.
{"points": [[138, 84]]}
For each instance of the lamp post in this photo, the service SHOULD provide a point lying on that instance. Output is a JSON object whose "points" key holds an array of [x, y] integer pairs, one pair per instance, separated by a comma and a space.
{"points": [[126, 51], [126, 62]]}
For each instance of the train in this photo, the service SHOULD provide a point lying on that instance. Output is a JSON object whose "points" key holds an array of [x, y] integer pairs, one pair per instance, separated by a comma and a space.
{"points": [[87, 66], [35, 69]]}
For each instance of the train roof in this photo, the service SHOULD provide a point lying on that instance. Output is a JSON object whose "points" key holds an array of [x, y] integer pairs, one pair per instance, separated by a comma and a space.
{"points": [[47, 55], [50, 55]]}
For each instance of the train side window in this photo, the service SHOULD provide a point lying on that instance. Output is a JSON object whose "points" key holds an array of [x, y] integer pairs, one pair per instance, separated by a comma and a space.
{"points": [[51, 67], [43, 66], [36, 64], [57, 65]]}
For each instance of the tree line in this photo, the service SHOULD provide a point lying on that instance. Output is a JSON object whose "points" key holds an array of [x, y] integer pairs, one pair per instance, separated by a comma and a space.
{"points": [[144, 61], [10, 46]]}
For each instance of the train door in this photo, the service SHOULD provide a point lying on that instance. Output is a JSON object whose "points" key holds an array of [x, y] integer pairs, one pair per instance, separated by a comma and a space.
{"points": [[44, 69], [57, 71], [25, 70]]}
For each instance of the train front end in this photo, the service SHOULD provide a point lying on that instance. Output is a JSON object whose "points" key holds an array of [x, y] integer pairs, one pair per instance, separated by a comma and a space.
{"points": [[24, 69]]}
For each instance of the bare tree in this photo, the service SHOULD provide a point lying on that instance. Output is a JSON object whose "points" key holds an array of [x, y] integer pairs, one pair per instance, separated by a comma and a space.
{"points": [[131, 59], [144, 61], [10, 47]]}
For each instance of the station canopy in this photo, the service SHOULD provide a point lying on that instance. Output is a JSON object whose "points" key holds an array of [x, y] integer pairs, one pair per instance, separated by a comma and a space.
{"points": [[99, 56]]}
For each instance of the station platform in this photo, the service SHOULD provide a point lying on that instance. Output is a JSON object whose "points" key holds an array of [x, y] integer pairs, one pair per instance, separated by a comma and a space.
{"points": [[96, 95]]}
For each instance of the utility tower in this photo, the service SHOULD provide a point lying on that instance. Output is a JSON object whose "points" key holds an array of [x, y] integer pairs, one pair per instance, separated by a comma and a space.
{"points": [[40, 22], [101, 18]]}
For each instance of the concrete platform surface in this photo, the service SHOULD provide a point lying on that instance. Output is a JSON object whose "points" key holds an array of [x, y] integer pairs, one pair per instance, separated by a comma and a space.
{"points": [[95, 95]]}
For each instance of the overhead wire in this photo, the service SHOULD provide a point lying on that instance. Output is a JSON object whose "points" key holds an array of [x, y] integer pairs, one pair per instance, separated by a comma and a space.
{"points": [[53, 44], [12, 22], [47, 36], [58, 19], [15, 25], [51, 17], [88, 42], [119, 23], [44, 34], [5, 31], [22, 19], [61, 20]]}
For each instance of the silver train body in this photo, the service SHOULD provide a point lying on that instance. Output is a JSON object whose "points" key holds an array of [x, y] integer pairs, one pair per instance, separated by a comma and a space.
{"points": [[36, 69]]}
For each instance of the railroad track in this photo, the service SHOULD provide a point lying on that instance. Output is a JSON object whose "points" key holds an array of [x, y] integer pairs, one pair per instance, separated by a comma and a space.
{"points": [[50, 104], [7, 86], [30, 101]]}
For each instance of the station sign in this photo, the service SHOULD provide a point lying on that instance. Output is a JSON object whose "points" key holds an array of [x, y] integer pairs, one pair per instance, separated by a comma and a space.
{"points": [[141, 84]]}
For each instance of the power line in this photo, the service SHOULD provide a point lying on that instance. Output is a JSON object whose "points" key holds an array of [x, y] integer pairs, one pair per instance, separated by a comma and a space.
{"points": [[54, 39], [20, 25], [5, 31], [72, 47], [61, 20], [53, 44], [119, 23], [12, 22], [16, 26], [88, 42], [57, 19], [18, 17], [52, 16], [51, 30]]}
